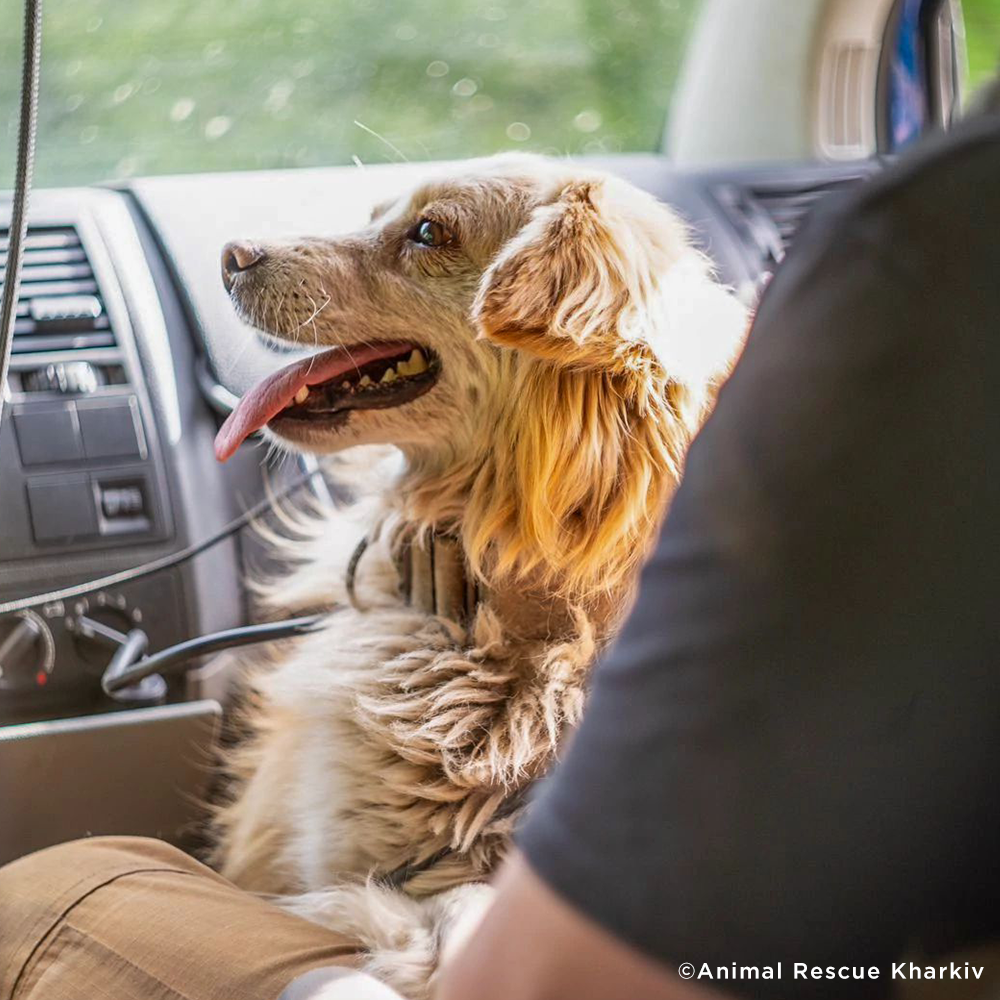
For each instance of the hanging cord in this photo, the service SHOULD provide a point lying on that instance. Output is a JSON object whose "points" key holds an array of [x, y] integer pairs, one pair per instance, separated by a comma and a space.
{"points": [[165, 562], [127, 667], [30, 62]]}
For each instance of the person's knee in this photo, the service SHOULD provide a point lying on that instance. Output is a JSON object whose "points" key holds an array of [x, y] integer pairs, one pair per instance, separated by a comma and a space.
{"points": [[82, 855], [39, 889], [53, 876]]}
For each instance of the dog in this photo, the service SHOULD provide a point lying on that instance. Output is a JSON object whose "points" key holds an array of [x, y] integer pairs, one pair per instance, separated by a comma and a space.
{"points": [[539, 343]]}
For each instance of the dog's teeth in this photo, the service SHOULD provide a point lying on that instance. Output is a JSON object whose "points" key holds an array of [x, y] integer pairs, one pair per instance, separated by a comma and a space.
{"points": [[403, 368], [417, 363], [365, 380], [389, 375], [345, 384], [302, 395]]}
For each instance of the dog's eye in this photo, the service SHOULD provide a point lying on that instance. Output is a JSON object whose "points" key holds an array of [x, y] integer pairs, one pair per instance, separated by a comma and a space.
{"points": [[429, 233]]}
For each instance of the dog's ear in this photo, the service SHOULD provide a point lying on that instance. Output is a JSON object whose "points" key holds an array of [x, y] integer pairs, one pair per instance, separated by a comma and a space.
{"points": [[600, 269]]}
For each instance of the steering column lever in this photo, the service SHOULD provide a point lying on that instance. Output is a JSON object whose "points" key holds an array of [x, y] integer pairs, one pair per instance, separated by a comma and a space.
{"points": [[129, 650]]}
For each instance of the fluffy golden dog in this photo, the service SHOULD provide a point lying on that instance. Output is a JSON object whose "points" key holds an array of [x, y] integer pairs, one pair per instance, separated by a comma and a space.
{"points": [[540, 343]]}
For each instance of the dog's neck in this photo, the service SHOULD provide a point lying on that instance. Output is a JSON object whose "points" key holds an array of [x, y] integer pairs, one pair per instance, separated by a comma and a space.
{"points": [[556, 511], [436, 578]]}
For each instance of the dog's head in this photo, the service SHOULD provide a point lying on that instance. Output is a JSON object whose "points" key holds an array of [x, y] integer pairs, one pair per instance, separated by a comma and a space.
{"points": [[541, 335]]}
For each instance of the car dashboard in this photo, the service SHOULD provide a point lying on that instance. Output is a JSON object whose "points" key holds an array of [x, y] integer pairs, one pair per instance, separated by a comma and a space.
{"points": [[127, 354]]}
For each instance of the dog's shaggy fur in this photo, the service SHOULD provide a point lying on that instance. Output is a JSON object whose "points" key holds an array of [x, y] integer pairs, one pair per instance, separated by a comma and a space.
{"points": [[581, 341]]}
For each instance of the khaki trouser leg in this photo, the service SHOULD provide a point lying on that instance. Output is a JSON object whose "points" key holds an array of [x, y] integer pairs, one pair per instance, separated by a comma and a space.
{"points": [[120, 918]]}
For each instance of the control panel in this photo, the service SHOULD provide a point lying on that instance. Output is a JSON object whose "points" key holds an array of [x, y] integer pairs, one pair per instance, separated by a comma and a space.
{"points": [[52, 657], [81, 475], [78, 468]]}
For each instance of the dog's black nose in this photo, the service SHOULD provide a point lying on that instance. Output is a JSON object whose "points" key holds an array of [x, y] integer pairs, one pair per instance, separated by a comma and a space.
{"points": [[238, 257]]}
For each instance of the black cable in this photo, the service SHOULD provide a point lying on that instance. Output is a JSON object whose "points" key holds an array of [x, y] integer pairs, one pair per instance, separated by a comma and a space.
{"points": [[30, 64], [121, 674], [164, 562]]}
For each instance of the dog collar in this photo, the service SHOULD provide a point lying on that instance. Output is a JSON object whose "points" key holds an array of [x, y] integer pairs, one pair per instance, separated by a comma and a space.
{"points": [[433, 576]]}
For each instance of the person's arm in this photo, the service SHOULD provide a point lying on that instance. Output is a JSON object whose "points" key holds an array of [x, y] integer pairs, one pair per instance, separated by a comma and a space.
{"points": [[503, 960]]}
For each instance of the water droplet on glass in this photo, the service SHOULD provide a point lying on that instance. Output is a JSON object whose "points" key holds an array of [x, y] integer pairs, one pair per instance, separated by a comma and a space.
{"points": [[278, 96], [437, 68], [182, 109], [123, 93], [217, 127], [126, 166], [518, 131]]}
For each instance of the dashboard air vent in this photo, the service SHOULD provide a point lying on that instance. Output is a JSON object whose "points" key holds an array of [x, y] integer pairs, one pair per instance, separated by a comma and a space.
{"points": [[59, 307], [787, 206]]}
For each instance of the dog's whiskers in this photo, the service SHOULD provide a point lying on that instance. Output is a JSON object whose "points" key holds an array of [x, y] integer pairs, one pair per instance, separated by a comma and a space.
{"points": [[383, 139], [277, 307], [317, 309]]}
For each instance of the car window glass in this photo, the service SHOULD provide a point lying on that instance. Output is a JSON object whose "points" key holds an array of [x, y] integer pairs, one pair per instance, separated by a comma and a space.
{"points": [[152, 87]]}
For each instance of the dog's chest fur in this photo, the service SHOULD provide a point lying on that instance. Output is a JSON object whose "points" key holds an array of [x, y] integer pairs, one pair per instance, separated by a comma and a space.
{"points": [[393, 734]]}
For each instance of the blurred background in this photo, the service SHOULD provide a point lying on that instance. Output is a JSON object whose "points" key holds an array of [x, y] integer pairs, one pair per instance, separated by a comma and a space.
{"points": [[133, 87]]}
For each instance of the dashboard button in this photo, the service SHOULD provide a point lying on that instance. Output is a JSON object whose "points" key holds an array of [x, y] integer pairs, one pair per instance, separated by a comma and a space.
{"points": [[62, 509], [111, 428], [122, 501], [122, 505], [46, 435]]}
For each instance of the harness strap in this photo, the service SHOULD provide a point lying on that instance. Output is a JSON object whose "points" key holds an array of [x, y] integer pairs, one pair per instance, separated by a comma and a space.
{"points": [[398, 877]]}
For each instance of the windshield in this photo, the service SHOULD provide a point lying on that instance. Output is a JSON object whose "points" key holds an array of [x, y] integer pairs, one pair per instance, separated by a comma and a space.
{"points": [[147, 86]]}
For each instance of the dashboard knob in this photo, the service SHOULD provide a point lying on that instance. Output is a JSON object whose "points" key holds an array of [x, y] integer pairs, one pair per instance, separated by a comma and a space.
{"points": [[99, 625], [70, 377], [27, 652]]}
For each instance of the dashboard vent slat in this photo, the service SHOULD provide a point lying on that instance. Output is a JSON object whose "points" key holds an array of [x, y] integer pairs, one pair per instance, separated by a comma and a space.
{"points": [[52, 272], [788, 206], [44, 238], [59, 307]]}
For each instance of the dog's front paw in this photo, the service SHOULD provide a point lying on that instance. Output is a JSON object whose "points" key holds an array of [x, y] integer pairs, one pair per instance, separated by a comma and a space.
{"points": [[461, 911], [407, 940], [338, 984]]}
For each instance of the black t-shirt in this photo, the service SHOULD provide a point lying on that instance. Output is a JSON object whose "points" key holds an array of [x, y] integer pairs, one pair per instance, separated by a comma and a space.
{"points": [[792, 754]]}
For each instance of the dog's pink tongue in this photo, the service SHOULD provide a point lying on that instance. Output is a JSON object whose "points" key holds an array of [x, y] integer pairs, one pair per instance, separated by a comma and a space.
{"points": [[269, 397]]}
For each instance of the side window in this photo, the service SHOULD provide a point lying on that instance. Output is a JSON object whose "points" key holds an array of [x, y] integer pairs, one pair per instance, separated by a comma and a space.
{"points": [[938, 54], [982, 43], [905, 59]]}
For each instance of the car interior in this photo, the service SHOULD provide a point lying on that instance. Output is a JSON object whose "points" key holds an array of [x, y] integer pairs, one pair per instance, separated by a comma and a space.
{"points": [[120, 533]]}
